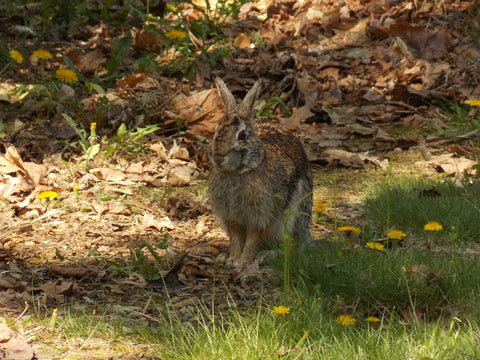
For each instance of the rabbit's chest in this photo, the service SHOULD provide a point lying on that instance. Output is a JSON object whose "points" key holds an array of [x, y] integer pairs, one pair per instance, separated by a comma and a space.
{"points": [[238, 197]]}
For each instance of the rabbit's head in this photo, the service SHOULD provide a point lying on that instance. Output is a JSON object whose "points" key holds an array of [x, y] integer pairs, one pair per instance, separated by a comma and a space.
{"points": [[235, 145]]}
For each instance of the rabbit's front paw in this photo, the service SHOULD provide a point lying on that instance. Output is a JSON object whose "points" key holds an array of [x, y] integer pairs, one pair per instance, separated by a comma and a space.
{"points": [[233, 262], [240, 261]]}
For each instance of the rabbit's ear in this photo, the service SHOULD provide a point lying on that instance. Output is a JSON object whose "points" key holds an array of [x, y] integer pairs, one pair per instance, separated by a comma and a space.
{"points": [[227, 98], [247, 105]]}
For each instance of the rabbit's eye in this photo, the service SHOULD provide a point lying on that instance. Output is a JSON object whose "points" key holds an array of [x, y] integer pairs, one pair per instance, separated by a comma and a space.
{"points": [[242, 135]]}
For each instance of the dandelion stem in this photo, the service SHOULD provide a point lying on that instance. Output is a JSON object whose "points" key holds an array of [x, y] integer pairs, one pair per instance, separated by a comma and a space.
{"points": [[6, 67], [335, 206]]}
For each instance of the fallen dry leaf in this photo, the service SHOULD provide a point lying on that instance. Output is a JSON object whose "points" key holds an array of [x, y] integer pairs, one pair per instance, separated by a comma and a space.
{"points": [[353, 160], [298, 116], [108, 174], [17, 349], [137, 81], [158, 148], [90, 62], [243, 41], [425, 44], [55, 289], [422, 273], [146, 40], [151, 221], [201, 111], [178, 152], [28, 174], [181, 175], [135, 168], [449, 164]]}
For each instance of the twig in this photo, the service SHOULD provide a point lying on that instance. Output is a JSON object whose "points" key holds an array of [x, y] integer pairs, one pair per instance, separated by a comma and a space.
{"points": [[47, 214], [23, 313], [476, 208]]}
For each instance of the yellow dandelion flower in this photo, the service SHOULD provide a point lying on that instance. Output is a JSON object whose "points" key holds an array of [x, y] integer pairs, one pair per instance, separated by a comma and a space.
{"points": [[281, 310], [374, 245], [320, 207], [372, 319], [47, 195], [67, 76], [176, 35], [15, 55], [349, 230], [345, 320], [474, 102], [42, 54], [75, 188], [93, 126], [396, 234], [432, 226]]}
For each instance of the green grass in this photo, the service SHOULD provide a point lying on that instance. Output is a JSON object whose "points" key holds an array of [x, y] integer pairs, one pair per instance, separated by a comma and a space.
{"points": [[460, 118], [259, 334], [266, 337], [379, 283], [408, 203]]}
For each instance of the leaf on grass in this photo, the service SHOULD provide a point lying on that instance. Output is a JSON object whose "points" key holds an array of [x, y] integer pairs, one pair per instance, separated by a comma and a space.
{"points": [[449, 164], [55, 289], [421, 273], [189, 301], [100, 209], [7, 185], [9, 282], [118, 208], [353, 160]]}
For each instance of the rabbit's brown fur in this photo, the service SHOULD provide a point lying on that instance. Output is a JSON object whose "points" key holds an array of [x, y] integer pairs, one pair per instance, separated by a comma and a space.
{"points": [[250, 165]]}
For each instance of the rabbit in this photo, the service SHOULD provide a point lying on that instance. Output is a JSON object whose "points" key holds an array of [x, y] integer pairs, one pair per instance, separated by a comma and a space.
{"points": [[256, 173]]}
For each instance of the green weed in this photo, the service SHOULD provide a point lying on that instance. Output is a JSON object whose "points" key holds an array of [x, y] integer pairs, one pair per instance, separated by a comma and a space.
{"points": [[268, 109], [194, 41]]}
